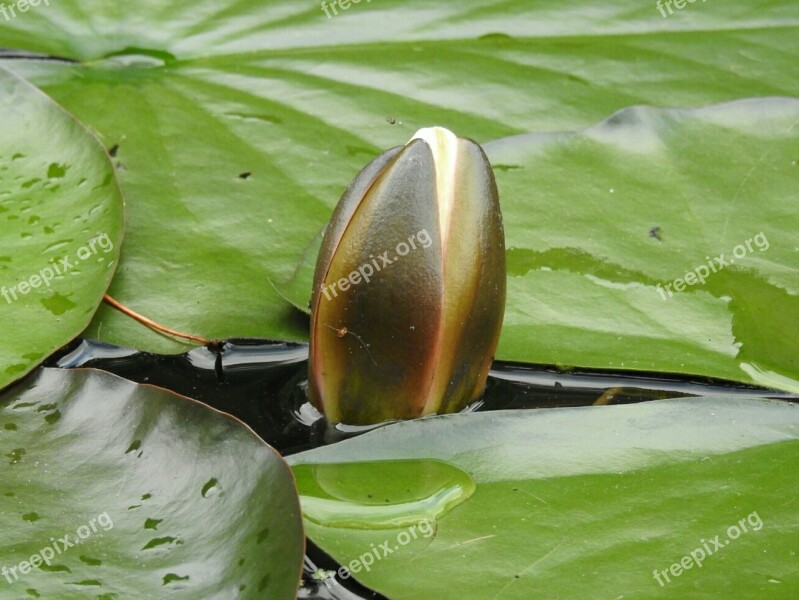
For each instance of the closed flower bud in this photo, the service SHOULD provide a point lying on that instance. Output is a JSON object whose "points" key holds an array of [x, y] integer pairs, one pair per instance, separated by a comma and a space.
{"points": [[409, 287]]}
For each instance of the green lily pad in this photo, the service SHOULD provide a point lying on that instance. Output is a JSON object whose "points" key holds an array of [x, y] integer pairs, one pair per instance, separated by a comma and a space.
{"points": [[239, 127], [660, 240], [158, 496], [61, 224], [580, 503]]}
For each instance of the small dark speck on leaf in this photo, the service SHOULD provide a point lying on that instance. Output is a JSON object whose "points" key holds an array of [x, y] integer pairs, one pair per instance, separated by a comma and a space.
{"points": [[210, 485], [16, 455], [112, 152], [56, 171], [655, 233], [166, 540], [55, 568], [245, 175], [172, 577]]}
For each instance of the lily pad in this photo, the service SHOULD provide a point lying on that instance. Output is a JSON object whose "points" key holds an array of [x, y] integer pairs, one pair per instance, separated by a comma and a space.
{"points": [[661, 240], [238, 127], [138, 492], [61, 224], [580, 503]]}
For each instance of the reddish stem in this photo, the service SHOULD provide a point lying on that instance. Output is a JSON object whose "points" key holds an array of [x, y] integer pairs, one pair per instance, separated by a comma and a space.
{"points": [[152, 324]]}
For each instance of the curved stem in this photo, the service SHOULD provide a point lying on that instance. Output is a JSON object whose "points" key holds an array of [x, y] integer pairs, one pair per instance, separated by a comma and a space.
{"points": [[152, 324]]}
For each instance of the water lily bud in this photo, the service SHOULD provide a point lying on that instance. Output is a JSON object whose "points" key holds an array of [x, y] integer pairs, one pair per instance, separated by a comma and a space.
{"points": [[409, 287]]}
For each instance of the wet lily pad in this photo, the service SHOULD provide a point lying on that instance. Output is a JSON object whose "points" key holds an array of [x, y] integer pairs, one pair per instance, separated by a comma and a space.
{"points": [[661, 240], [138, 492], [238, 127], [61, 224], [577, 503]]}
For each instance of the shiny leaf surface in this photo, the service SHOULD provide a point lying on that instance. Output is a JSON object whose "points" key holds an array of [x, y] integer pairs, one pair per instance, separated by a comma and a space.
{"points": [[61, 224], [198, 96], [578, 503], [167, 497]]}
